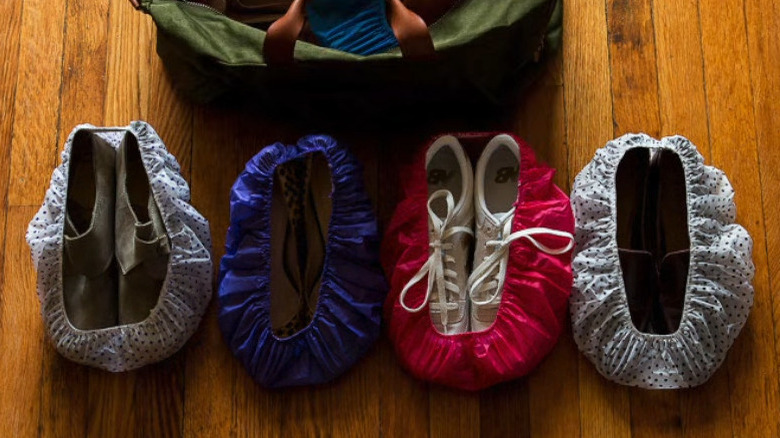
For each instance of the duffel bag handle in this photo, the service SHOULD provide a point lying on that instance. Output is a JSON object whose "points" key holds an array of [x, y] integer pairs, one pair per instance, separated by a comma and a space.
{"points": [[410, 30]]}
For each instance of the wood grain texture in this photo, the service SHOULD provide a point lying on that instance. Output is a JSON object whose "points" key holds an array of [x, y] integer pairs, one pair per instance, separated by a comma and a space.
{"points": [[633, 67], [21, 332], [552, 387], [751, 363], [211, 372], [707, 70], [706, 410], [635, 108], [404, 401], [763, 24], [504, 411], [604, 407], [10, 22], [65, 384], [161, 388], [129, 401], [128, 74], [37, 101], [454, 413]]}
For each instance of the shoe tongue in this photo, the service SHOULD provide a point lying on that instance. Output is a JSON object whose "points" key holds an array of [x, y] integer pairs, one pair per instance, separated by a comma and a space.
{"points": [[494, 221], [501, 216]]}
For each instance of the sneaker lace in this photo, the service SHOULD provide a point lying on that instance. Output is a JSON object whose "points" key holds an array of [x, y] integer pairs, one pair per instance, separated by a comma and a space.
{"points": [[489, 274], [438, 267]]}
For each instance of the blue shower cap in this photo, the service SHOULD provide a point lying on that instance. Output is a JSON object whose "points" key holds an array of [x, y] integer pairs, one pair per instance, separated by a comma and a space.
{"points": [[347, 318]]}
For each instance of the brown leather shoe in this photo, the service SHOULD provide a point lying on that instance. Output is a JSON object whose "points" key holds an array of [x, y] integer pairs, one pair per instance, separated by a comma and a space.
{"points": [[636, 261], [652, 234], [88, 264], [672, 243], [142, 247]]}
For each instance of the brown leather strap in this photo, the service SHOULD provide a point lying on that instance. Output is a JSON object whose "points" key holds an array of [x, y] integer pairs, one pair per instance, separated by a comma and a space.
{"points": [[279, 45], [410, 30]]}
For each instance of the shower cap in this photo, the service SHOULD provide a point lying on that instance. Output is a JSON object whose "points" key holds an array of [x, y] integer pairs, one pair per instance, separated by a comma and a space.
{"points": [[186, 290], [532, 312], [347, 318], [718, 296]]}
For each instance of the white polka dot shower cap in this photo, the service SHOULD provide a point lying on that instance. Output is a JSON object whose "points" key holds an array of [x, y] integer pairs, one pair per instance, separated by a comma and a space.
{"points": [[718, 292], [186, 290]]}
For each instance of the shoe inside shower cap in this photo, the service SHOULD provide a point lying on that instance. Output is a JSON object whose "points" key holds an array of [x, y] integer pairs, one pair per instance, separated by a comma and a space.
{"points": [[346, 316], [186, 290], [687, 339], [532, 311]]}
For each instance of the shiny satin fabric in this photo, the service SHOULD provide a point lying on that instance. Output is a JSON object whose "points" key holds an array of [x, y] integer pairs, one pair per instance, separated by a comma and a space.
{"points": [[347, 319], [533, 307], [354, 26]]}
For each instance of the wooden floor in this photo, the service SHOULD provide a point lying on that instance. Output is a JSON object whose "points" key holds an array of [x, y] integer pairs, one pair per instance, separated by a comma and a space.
{"points": [[709, 70]]}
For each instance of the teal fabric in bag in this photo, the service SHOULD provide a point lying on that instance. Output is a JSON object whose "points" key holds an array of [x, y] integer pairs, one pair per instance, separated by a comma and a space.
{"points": [[485, 50], [357, 26]]}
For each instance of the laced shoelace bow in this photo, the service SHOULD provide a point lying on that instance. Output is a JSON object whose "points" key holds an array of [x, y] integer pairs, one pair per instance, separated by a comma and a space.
{"points": [[487, 275], [439, 276]]}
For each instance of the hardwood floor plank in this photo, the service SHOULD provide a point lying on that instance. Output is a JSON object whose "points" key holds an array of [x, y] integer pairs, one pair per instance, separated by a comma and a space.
{"points": [[763, 25], [635, 108], [352, 400], [84, 65], [38, 37], [453, 413], [604, 406], [37, 101], [633, 67], [10, 21], [553, 396], [212, 371], [111, 405], [169, 114], [705, 410], [130, 48], [163, 384], [65, 383], [540, 121], [120, 399], [751, 361], [404, 400], [21, 332], [681, 71], [504, 410], [159, 398]]}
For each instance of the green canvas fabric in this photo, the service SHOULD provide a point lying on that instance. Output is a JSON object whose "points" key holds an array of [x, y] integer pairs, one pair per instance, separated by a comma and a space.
{"points": [[485, 49]]}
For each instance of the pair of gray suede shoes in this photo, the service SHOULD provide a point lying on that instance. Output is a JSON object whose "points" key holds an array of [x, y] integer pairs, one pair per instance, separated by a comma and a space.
{"points": [[116, 249]]}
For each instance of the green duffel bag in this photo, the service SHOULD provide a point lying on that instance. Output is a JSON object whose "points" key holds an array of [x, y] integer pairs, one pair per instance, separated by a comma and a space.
{"points": [[485, 50]]}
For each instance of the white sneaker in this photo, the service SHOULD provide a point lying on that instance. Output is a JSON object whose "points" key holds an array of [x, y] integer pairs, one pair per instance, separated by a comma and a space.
{"points": [[450, 221], [495, 193]]}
